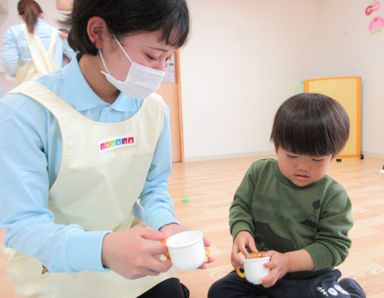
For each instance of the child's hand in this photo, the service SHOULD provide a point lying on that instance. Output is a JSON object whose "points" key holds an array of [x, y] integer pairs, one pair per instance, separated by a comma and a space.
{"points": [[279, 266], [242, 240]]}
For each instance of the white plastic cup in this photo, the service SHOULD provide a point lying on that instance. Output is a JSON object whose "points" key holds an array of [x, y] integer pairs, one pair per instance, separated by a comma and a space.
{"points": [[186, 250], [254, 269]]}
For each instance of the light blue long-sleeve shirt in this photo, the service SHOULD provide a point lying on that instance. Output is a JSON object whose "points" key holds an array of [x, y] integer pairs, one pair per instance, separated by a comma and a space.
{"points": [[30, 154], [15, 46]]}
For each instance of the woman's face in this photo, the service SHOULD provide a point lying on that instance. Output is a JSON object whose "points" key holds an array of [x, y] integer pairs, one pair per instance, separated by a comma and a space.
{"points": [[144, 48]]}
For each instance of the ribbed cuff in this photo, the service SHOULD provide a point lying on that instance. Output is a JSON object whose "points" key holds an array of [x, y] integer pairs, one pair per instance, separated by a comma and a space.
{"points": [[160, 217], [238, 227], [321, 256], [84, 251]]}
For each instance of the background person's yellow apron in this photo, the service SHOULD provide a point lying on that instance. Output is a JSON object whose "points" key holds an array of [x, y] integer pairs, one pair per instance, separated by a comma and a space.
{"points": [[42, 61], [96, 188]]}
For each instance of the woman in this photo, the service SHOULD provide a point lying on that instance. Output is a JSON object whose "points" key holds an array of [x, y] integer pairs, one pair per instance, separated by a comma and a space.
{"points": [[81, 145], [33, 48]]}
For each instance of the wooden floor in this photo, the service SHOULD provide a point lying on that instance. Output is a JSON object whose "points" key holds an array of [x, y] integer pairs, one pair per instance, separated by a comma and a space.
{"points": [[210, 186]]}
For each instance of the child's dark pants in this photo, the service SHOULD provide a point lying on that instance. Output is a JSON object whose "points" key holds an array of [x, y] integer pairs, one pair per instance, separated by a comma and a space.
{"points": [[325, 285]]}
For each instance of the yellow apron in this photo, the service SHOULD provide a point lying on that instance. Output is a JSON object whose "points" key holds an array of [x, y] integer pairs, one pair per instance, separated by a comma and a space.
{"points": [[102, 173], [42, 61]]}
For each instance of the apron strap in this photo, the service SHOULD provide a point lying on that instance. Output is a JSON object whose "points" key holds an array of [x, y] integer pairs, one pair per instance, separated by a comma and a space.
{"points": [[53, 43], [42, 60]]}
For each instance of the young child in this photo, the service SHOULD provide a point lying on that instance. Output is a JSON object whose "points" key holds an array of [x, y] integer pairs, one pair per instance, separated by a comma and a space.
{"points": [[292, 210]]}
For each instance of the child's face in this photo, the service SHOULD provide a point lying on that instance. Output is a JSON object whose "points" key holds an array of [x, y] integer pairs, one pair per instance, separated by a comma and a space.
{"points": [[301, 169]]}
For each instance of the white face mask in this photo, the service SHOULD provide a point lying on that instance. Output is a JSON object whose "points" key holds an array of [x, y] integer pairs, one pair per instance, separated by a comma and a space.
{"points": [[141, 80]]}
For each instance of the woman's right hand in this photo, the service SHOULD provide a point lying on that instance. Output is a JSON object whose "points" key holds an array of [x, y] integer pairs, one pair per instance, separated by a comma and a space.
{"points": [[130, 253], [242, 240]]}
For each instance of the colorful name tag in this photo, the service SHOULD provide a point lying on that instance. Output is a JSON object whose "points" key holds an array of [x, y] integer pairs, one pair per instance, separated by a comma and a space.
{"points": [[116, 142]]}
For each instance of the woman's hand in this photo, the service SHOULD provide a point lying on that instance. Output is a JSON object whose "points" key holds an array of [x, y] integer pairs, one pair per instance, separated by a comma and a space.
{"points": [[131, 254], [242, 240], [172, 229]]}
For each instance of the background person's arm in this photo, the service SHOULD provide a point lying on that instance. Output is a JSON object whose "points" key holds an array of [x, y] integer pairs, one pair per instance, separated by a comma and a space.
{"points": [[10, 54]]}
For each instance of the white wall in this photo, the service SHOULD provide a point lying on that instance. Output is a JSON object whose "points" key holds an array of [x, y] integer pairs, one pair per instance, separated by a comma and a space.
{"points": [[350, 49], [244, 57]]}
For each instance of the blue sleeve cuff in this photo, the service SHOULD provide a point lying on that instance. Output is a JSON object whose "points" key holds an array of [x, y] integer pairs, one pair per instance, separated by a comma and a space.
{"points": [[161, 217], [84, 251]]}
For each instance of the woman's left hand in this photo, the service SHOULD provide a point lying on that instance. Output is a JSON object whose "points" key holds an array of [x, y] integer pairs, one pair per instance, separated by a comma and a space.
{"points": [[173, 229]]}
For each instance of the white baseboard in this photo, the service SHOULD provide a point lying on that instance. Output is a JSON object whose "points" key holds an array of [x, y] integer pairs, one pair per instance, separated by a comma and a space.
{"points": [[373, 154], [227, 156], [258, 154]]}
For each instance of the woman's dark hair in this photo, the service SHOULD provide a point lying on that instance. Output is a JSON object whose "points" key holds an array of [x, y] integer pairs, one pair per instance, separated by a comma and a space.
{"points": [[311, 124], [126, 17], [31, 11]]}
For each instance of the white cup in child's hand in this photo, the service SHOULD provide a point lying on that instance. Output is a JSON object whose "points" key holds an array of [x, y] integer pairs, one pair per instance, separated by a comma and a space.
{"points": [[254, 269], [186, 250]]}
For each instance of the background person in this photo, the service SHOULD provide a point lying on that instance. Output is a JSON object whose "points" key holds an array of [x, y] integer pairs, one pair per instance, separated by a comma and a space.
{"points": [[33, 48]]}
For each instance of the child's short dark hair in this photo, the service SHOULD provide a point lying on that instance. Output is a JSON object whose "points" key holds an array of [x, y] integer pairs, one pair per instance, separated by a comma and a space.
{"points": [[311, 124], [127, 17]]}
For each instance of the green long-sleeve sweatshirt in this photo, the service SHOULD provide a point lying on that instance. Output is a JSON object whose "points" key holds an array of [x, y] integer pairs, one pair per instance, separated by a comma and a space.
{"points": [[284, 217]]}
